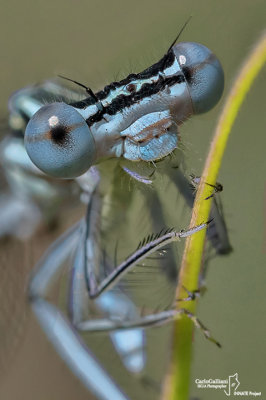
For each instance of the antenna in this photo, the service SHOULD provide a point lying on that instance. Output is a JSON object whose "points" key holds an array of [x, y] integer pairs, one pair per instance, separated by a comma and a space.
{"points": [[88, 90]]}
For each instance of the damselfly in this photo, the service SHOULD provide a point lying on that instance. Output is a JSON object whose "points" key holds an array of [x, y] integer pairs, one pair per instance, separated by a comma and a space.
{"points": [[120, 139]]}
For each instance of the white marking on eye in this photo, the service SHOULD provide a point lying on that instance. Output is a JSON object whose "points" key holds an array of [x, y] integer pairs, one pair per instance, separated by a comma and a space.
{"points": [[182, 60], [53, 120]]}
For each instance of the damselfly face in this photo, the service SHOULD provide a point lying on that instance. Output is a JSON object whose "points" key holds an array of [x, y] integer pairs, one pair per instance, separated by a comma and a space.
{"points": [[136, 118], [116, 283]]}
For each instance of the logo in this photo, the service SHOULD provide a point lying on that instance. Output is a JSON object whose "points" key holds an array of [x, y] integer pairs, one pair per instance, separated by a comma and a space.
{"points": [[233, 384], [230, 386]]}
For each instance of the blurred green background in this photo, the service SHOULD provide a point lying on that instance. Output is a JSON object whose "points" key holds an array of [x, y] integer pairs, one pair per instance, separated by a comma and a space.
{"points": [[96, 42]]}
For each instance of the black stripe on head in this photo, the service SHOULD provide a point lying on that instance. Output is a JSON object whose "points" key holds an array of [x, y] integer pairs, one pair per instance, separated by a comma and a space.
{"points": [[124, 101], [165, 62]]}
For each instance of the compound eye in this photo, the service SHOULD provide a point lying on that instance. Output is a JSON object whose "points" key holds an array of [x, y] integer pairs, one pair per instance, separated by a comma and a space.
{"points": [[59, 141], [203, 72]]}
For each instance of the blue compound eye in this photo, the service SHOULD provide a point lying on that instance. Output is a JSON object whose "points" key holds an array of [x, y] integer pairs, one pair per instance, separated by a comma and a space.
{"points": [[59, 141], [203, 73]]}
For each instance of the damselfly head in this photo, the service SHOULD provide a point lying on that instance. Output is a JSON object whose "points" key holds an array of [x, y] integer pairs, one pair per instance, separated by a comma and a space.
{"points": [[203, 72], [59, 141], [136, 118]]}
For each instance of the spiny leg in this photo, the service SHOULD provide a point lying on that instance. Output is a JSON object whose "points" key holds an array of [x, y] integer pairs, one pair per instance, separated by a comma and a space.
{"points": [[199, 325], [147, 321], [191, 297], [144, 250]]}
